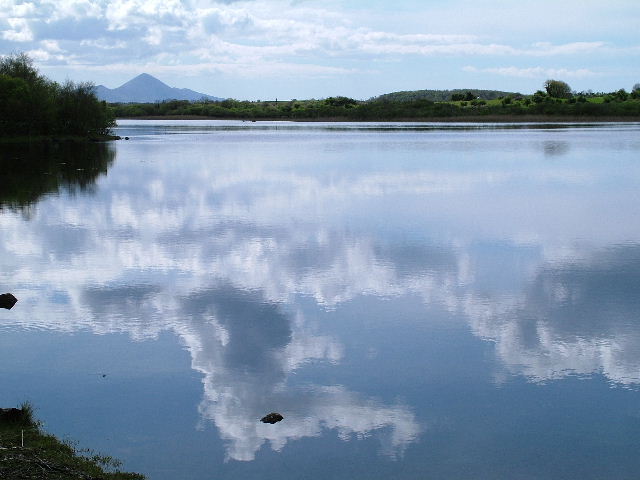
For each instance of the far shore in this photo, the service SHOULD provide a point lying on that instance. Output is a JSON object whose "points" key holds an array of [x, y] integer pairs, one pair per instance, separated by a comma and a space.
{"points": [[461, 119]]}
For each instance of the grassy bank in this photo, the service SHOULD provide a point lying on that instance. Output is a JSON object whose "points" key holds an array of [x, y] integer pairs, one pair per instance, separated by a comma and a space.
{"points": [[27, 452]]}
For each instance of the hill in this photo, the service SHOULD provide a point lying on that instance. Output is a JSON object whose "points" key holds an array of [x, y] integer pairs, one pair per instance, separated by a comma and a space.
{"points": [[441, 95], [147, 89]]}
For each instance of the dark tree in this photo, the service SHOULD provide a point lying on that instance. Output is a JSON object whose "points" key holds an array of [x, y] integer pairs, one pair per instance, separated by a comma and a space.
{"points": [[32, 105], [557, 89], [621, 95]]}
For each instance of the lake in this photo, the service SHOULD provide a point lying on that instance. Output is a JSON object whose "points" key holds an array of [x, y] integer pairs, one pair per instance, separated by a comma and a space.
{"points": [[417, 300]]}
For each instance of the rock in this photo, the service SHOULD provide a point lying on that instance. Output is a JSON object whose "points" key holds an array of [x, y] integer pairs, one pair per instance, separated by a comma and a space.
{"points": [[272, 418], [7, 301]]}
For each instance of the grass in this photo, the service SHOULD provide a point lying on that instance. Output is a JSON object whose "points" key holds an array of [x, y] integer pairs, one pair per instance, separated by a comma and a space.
{"points": [[27, 452]]}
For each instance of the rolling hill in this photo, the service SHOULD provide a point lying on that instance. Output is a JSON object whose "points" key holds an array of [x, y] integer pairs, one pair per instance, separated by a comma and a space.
{"points": [[441, 95]]}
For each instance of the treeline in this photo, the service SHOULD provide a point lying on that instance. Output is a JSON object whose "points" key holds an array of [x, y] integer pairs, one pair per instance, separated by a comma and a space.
{"points": [[333, 107], [32, 105], [341, 108]]}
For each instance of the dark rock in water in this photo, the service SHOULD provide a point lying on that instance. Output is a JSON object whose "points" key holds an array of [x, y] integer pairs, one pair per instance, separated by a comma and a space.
{"points": [[7, 301], [272, 418], [11, 415]]}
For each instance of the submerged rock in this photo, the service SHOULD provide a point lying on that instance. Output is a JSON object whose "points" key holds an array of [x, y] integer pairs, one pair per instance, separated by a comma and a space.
{"points": [[7, 301], [272, 418]]}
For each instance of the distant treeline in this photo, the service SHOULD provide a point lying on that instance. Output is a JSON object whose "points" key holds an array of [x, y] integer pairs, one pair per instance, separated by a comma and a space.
{"points": [[382, 108], [32, 105]]}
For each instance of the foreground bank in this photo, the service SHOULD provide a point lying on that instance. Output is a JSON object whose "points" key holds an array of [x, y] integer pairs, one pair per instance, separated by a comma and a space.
{"points": [[27, 452]]}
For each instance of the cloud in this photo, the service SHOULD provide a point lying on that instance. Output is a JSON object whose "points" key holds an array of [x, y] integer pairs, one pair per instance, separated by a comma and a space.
{"points": [[220, 250], [18, 31], [248, 38], [533, 72], [576, 318], [245, 370], [573, 48]]}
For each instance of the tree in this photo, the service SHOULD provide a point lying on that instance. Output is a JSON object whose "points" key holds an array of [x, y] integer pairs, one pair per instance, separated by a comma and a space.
{"points": [[20, 66], [636, 87], [557, 89], [340, 102], [31, 104], [539, 96], [621, 95]]}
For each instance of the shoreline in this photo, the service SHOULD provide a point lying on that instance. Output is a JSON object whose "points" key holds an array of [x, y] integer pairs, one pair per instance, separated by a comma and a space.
{"points": [[459, 119], [28, 451], [57, 139]]}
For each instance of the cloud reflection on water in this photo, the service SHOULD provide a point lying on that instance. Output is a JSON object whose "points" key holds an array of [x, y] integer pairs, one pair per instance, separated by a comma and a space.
{"points": [[245, 348], [575, 317], [221, 253]]}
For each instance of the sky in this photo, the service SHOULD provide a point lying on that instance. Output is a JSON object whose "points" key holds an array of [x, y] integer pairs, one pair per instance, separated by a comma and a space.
{"points": [[285, 49]]}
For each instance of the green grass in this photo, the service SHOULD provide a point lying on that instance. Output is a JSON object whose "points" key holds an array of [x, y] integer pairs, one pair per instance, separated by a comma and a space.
{"points": [[27, 452]]}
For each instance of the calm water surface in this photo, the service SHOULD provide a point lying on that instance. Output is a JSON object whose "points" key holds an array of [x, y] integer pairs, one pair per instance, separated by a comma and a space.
{"points": [[418, 300]]}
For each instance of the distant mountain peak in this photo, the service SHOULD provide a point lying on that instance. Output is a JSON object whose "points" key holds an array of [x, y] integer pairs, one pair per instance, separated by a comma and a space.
{"points": [[145, 75], [145, 88]]}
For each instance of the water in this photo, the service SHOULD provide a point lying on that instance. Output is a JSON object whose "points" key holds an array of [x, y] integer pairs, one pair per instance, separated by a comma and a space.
{"points": [[417, 300]]}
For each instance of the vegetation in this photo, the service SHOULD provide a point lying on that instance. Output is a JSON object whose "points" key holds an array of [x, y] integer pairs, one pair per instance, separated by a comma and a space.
{"points": [[27, 452], [557, 89], [443, 95], [33, 106], [461, 106]]}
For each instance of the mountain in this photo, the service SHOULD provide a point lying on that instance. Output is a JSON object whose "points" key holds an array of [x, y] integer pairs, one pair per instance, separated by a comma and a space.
{"points": [[441, 95], [147, 89]]}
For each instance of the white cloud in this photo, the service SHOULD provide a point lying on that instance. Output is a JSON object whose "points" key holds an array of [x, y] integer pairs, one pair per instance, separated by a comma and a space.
{"points": [[19, 30], [534, 72], [574, 48], [248, 38]]}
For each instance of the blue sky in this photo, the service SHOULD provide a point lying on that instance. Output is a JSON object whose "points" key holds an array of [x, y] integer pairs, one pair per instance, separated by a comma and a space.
{"points": [[267, 49]]}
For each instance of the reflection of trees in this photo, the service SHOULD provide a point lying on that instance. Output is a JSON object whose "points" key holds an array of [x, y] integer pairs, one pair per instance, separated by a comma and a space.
{"points": [[30, 171], [556, 148]]}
